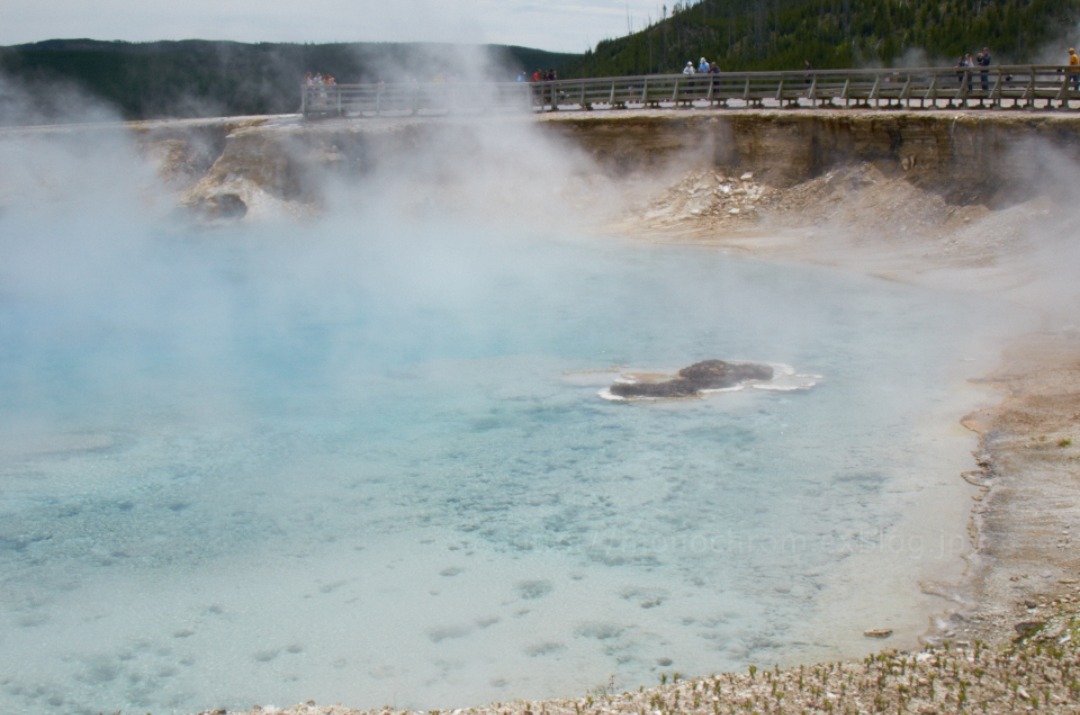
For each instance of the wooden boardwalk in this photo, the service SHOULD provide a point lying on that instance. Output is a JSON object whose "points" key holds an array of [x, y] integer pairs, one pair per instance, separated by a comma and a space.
{"points": [[996, 87]]}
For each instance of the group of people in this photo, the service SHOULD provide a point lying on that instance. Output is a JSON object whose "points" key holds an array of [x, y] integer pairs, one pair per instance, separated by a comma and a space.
{"points": [[703, 67], [538, 76], [318, 79], [982, 59]]}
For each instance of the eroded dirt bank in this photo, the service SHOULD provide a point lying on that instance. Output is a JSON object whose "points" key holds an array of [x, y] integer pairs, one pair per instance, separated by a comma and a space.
{"points": [[960, 157]]}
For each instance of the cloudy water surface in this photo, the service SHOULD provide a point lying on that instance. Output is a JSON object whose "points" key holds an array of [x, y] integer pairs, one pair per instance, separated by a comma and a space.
{"points": [[367, 461]]}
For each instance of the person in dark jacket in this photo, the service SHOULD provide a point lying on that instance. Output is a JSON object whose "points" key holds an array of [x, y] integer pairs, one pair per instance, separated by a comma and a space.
{"points": [[983, 60]]}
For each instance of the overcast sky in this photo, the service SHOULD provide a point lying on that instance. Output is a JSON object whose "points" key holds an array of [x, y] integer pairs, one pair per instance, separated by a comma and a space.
{"points": [[556, 25]]}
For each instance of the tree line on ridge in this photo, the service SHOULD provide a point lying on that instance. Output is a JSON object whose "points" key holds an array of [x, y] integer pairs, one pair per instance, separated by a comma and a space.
{"points": [[783, 34]]}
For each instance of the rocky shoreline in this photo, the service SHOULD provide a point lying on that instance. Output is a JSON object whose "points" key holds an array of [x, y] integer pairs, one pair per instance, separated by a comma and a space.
{"points": [[1038, 672]]}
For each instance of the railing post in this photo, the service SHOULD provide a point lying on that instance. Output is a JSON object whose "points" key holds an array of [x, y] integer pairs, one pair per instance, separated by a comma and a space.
{"points": [[303, 100], [931, 90], [905, 93], [1063, 93]]}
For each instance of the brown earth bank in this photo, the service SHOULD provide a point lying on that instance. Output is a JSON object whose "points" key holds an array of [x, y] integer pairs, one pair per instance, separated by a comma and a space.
{"points": [[976, 202], [962, 158]]}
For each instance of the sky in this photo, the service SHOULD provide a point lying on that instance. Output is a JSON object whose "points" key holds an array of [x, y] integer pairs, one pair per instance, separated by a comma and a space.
{"points": [[554, 25]]}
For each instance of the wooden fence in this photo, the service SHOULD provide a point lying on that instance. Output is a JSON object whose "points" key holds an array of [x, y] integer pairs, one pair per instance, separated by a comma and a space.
{"points": [[996, 87]]}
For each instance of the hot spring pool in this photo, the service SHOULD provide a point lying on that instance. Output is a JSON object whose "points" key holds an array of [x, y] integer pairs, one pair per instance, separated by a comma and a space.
{"points": [[371, 466]]}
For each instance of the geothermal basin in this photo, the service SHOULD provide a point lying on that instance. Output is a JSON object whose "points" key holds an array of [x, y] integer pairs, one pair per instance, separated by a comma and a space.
{"points": [[363, 457]]}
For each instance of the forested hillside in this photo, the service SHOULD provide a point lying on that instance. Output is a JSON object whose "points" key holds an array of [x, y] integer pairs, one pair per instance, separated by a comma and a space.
{"points": [[781, 34], [201, 78]]}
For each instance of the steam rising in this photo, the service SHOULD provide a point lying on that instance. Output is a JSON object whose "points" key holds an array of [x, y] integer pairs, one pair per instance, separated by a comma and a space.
{"points": [[359, 456]]}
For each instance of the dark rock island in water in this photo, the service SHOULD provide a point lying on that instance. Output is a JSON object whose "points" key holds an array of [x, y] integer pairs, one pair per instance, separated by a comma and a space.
{"points": [[704, 375]]}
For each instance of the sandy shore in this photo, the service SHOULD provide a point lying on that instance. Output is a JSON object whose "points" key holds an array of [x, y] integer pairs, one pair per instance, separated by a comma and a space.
{"points": [[1007, 640]]}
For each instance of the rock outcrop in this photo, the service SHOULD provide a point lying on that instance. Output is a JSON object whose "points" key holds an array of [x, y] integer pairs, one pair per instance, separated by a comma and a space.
{"points": [[216, 207], [704, 375]]}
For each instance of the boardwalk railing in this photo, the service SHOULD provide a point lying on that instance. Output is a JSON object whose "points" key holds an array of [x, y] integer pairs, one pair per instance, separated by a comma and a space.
{"points": [[997, 87]]}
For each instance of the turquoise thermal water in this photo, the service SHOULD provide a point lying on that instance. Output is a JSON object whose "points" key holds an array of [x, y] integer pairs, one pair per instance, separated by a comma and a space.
{"points": [[370, 465]]}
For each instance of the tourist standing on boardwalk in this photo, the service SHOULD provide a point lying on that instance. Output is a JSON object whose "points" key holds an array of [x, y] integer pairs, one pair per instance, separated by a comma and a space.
{"points": [[983, 59], [965, 64], [1074, 68]]}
